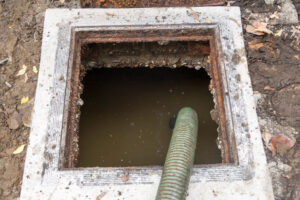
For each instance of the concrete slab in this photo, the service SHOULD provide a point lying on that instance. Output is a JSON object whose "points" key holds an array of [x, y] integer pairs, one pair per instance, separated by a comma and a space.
{"points": [[45, 178]]}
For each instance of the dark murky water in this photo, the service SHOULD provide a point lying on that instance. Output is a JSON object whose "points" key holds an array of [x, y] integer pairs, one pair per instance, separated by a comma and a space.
{"points": [[125, 119]]}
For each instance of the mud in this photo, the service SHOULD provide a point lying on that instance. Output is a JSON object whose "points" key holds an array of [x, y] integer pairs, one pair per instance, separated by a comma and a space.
{"points": [[147, 3], [21, 25], [275, 75], [274, 78]]}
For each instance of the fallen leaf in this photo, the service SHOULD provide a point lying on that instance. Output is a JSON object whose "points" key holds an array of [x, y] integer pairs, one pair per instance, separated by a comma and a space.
{"points": [[274, 15], [100, 196], [294, 31], [271, 50], [124, 178], [25, 78], [19, 149], [256, 46], [297, 87], [110, 14], [62, 1], [267, 137], [281, 144], [34, 69], [268, 88], [22, 71], [255, 41], [297, 41], [209, 21], [263, 28], [278, 33], [258, 28], [24, 100], [98, 2], [194, 14], [251, 29], [297, 57]]}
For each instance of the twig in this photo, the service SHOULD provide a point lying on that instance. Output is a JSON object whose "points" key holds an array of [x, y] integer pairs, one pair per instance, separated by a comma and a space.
{"points": [[3, 61]]}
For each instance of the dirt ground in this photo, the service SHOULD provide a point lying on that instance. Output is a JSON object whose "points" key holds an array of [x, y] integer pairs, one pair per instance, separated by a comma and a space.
{"points": [[274, 65]]}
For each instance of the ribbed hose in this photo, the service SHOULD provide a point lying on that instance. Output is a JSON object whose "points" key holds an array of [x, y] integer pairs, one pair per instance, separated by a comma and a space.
{"points": [[180, 158]]}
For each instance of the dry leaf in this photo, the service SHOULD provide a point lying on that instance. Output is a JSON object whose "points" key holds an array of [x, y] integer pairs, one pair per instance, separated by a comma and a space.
{"points": [[297, 87], [251, 29], [271, 50], [25, 77], [258, 28], [110, 14], [297, 57], [278, 33], [22, 71], [268, 88], [256, 46], [194, 14], [264, 29], [19, 149], [100, 196], [295, 31], [209, 21], [281, 144], [124, 178], [274, 15], [62, 1], [255, 41], [98, 2], [34, 69], [24, 100], [267, 137]]}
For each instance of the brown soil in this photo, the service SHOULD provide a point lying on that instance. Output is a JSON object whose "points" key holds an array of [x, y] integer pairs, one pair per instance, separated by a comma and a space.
{"points": [[147, 3], [274, 69]]}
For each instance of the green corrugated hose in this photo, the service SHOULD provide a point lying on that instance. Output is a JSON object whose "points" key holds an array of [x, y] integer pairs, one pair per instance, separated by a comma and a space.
{"points": [[180, 158]]}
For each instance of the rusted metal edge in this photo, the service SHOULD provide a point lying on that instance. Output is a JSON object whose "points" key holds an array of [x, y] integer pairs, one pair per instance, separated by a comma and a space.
{"points": [[216, 83], [147, 3], [73, 109]]}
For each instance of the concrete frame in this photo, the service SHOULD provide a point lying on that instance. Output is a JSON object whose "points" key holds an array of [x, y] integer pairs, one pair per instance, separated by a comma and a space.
{"points": [[44, 178]]}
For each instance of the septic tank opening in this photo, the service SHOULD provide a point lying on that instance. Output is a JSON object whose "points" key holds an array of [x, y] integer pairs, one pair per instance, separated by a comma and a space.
{"points": [[49, 171], [163, 56], [128, 115]]}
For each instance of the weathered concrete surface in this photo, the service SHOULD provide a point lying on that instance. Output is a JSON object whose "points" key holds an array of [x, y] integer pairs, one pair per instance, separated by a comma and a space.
{"points": [[43, 178], [287, 15]]}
